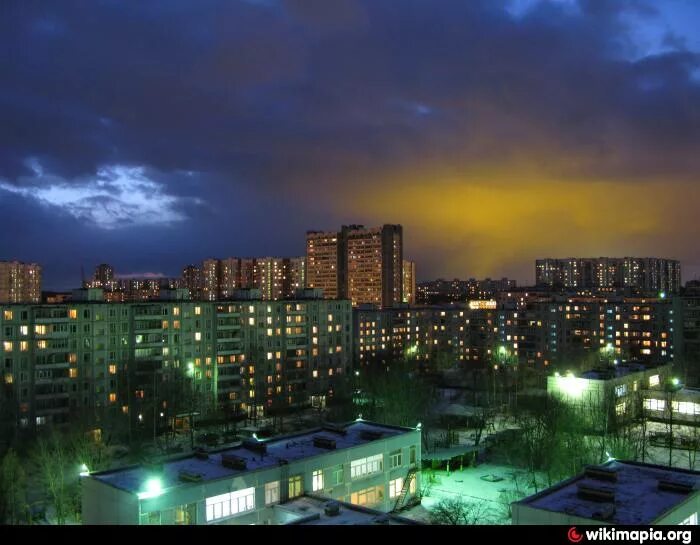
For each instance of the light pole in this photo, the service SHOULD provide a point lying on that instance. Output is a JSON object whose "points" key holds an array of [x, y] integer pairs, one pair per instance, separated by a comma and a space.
{"points": [[672, 386], [191, 374]]}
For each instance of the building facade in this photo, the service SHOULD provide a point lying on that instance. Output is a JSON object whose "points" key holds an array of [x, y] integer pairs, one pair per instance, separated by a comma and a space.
{"points": [[20, 282], [326, 262], [534, 331], [365, 265], [142, 364], [644, 275], [361, 463], [409, 282]]}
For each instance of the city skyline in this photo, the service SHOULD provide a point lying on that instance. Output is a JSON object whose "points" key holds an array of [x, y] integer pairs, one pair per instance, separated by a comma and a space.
{"points": [[232, 128]]}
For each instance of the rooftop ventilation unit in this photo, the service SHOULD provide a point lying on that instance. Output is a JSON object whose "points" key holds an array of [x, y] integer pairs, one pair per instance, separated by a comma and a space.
{"points": [[332, 509], [601, 473], [255, 445], [371, 435], [680, 487], [189, 476], [232, 461], [603, 495], [324, 442]]}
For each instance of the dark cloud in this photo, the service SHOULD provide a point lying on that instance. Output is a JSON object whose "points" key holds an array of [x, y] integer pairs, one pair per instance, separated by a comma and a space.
{"points": [[265, 112]]}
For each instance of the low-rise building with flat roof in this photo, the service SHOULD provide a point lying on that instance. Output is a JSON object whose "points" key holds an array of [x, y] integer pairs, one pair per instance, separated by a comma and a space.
{"points": [[362, 463], [617, 492]]}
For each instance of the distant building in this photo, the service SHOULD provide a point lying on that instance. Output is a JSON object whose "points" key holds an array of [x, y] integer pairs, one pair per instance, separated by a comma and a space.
{"points": [[103, 277], [276, 277], [192, 280], [619, 493], [409, 282], [325, 263], [362, 463], [20, 282], [364, 264], [441, 291], [644, 275], [375, 265]]}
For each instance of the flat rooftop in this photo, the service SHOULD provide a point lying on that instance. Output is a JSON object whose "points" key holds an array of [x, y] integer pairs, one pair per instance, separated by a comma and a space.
{"points": [[310, 510], [278, 451], [617, 371], [638, 498]]}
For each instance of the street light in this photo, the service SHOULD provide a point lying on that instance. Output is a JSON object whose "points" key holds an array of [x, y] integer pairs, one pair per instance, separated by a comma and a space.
{"points": [[672, 386], [192, 375]]}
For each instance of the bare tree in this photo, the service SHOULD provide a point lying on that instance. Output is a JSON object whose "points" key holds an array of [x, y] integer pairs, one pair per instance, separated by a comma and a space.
{"points": [[52, 459], [13, 489], [456, 511]]}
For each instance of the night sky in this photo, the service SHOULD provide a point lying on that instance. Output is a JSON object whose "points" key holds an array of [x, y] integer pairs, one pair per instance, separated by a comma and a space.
{"points": [[154, 134]]}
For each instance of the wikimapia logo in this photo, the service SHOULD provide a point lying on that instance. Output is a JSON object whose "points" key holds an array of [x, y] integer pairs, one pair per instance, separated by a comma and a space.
{"points": [[638, 536]]}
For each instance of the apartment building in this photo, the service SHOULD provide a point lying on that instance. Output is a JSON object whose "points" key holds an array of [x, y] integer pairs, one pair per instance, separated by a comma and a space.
{"points": [[458, 291], [20, 282], [326, 263], [537, 331], [364, 264], [361, 463], [644, 275], [409, 282], [275, 277], [142, 364]]}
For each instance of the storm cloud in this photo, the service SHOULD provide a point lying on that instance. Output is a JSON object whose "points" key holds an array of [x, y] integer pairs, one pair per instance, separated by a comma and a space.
{"points": [[150, 135]]}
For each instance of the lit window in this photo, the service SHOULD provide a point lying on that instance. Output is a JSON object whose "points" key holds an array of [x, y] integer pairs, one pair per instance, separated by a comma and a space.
{"points": [[272, 492], [7, 314], [295, 486], [317, 480], [73, 372], [197, 311], [365, 466], [198, 336], [395, 487], [368, 496], [654, 380], [228, 505], [112, 398], [112, 369]]}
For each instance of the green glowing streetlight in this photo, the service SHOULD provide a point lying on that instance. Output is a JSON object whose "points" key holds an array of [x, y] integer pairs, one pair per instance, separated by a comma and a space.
{"points": [[152, 489], [190, 369], [84, 471]]}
